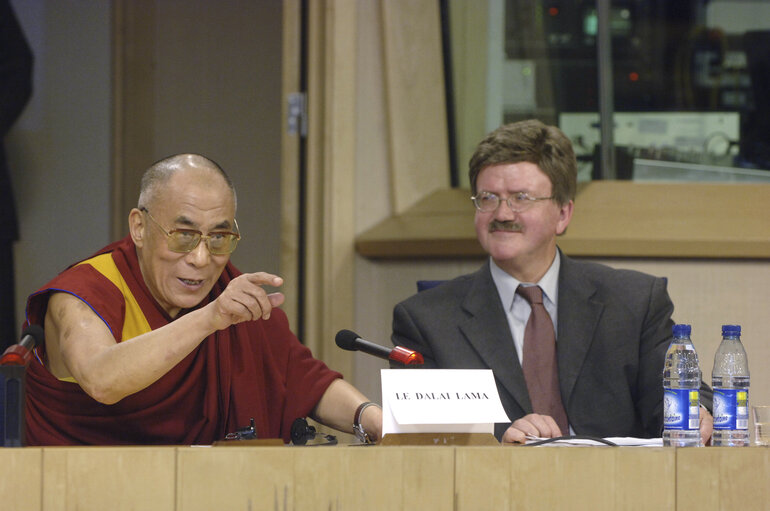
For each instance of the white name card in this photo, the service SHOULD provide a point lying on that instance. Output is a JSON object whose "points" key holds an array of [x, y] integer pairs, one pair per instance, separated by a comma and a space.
{"points": [[440, 401]]}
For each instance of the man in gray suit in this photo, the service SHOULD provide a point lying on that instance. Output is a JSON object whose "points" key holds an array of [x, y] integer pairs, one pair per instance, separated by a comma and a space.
{"points": [[612, 327]]}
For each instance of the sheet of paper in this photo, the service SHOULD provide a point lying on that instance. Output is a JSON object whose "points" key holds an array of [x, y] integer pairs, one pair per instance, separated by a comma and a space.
{"points": [[619, 441], [440, 401]]}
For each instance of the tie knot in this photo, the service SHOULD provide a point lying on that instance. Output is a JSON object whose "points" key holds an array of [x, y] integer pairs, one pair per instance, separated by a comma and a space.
{"points": [[532, 294]]}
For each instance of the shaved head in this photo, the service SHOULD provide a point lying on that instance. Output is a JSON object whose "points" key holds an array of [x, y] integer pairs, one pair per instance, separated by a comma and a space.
{"points": [[160, 172]]}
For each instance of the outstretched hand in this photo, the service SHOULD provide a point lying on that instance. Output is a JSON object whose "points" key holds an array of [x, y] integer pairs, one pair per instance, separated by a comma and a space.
{"points": [[244, 299]]}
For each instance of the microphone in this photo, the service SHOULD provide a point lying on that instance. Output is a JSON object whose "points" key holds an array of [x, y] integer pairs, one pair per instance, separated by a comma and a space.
{"points": [[348, 340], [20, 354], [12, 386]]}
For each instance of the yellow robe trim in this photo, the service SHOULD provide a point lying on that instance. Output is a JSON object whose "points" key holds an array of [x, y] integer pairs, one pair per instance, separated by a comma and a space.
{"points": [[135, 323]]}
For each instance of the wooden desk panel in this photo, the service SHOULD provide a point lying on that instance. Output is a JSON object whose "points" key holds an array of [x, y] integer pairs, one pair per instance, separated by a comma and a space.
{"points": [[235, 478], [321, 478], [114, 478], [403, 478], [21, 472], [555, 477], [483, 478], [387, 478], [723, 478], [644, 478]]}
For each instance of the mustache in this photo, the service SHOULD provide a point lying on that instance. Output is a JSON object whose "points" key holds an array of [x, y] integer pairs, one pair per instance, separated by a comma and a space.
{"points": [[506, 226]]}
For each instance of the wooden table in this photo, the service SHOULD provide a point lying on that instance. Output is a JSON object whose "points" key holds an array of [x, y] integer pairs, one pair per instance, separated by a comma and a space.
{"points": [[388, 478]]}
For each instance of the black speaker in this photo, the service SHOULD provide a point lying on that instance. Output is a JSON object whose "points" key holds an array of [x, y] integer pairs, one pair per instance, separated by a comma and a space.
{"points": [[12, 405]]}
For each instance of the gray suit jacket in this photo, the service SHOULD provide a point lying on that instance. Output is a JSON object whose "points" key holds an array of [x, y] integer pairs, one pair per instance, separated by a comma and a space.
{"points": [[614, 327]]}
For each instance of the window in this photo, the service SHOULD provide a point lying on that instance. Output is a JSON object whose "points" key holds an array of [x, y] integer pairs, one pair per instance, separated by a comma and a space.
{"points": [[688, 82]]}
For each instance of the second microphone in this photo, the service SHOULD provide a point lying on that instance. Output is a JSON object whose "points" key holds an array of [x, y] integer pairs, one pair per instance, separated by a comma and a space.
{"points": [[351, 341]]}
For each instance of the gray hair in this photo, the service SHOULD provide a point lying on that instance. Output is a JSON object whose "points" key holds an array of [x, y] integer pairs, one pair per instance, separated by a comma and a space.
{"points": [[161, 171]]}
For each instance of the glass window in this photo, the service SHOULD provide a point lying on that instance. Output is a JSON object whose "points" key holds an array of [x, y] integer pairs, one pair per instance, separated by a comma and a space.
{"points": [[690, 81]]}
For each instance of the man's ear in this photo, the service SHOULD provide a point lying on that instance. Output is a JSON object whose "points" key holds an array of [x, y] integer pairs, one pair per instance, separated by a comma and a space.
{"points": [[565, 215], [136, 226]]}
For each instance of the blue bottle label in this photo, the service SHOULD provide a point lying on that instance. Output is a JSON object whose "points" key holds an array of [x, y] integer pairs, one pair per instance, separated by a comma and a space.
{"points": [[731, 409], [680, 408]]}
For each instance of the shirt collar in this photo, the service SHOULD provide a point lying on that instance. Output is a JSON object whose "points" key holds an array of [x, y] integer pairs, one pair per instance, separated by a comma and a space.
{"points": [[506, 284]]}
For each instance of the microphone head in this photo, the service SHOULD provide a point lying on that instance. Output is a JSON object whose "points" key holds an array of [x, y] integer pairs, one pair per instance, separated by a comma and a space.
{"points": [[21, 353], [36, 332], [346, 340]]}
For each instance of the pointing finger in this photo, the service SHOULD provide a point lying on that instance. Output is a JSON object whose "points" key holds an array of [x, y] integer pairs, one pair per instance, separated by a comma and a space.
{"points": [[264, 279]]}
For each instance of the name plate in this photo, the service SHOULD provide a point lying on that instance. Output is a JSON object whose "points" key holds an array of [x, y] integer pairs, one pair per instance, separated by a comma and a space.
{"points": [[440, 401]]}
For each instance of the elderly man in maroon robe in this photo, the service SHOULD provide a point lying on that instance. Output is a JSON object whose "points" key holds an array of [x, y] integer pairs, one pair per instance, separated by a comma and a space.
{"points": [[159, 339]]}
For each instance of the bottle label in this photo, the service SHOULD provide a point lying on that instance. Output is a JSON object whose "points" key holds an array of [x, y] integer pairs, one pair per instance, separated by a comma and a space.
{"points": [[731, 409], [681, 408]]}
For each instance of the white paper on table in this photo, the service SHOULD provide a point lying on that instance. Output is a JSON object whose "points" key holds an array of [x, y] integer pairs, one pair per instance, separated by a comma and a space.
{"points": [[619, 441], [440, 401]]}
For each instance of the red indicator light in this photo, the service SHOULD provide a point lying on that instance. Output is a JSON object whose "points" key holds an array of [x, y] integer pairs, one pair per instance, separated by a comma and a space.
{"points": [[633, 76], [406, 356], [553, 11]]}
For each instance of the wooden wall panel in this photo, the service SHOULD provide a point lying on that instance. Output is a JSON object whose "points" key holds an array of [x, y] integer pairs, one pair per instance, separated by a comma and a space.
{"points": [[414, 79], [290, 162], [329, 220], [133, 29], [470, 40]]}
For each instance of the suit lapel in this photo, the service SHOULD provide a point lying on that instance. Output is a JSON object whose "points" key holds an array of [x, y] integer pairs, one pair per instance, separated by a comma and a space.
{"points": [[579, 314], [486, 329]]}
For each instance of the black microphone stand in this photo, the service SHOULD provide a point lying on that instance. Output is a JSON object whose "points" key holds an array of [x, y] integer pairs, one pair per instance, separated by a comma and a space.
{"points": [[13, 371], [12, 404]]}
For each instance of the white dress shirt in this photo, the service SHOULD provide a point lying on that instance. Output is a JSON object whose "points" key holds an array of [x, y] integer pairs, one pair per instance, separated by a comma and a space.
{"points": [[517, 309]]}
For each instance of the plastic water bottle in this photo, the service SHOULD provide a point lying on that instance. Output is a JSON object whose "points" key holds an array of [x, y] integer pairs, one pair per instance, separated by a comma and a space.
{"points": [[730, 380], [681, 391]]}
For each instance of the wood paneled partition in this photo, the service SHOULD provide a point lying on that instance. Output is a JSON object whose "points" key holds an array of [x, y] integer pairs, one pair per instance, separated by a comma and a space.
{"points": [[328, 222], [133, 104]]}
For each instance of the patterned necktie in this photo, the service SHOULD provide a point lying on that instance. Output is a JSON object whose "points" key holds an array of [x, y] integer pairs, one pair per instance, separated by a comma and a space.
{"points": [[539, 360]]}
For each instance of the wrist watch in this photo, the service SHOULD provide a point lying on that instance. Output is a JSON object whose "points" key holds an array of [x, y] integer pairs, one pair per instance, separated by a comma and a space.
{"points": [[358, 428]]}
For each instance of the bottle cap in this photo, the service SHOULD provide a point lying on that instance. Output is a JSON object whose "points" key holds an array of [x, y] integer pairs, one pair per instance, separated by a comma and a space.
{"points": [[682, 330], [731, 330]]}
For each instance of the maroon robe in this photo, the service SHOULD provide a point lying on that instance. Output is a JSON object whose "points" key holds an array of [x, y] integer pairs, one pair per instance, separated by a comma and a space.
{"points": [[256, 369]]}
